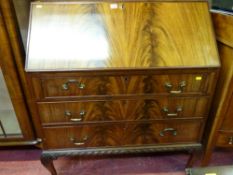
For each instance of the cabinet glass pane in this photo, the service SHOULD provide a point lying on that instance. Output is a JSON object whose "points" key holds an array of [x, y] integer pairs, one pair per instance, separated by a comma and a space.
{"points": [[225, 5], [9, 125], [1, 133]]}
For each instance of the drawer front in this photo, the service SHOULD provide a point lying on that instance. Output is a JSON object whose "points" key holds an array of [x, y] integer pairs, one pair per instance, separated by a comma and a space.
{"points": [[225, 139], [118, 110], [123, 134], [121, 85]]}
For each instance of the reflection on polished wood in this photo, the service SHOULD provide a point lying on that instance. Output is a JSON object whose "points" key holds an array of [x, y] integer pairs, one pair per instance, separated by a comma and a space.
{"points": [[66, 36]]}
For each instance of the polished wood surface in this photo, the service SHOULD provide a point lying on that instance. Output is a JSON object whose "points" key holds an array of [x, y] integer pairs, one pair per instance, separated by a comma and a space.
{"points": [[121, 110], [223, 26], [222, 98], [64, 85], [222, 104], [72, 36], [121, 76], [124, 134], [227, 122], [224, 87]]}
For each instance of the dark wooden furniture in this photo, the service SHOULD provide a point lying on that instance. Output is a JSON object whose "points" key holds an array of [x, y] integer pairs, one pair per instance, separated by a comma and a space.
{"points": [[118, 77], [221, 134], [15, 124]]}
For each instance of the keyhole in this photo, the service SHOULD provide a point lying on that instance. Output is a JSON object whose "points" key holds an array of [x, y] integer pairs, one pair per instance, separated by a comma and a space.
{"points": [[126, 79]]}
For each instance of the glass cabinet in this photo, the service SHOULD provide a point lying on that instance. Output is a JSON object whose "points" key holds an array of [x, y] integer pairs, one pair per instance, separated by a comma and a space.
{"points": [[9, 125], [15, 123], [223, 5]]}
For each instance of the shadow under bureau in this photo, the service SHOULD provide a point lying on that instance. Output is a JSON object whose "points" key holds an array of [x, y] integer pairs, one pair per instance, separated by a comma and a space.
{"points": [[120, 77]]}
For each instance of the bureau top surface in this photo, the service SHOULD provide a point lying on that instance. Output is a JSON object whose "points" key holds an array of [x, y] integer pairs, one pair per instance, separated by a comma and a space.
{"points": [[120, 35]]}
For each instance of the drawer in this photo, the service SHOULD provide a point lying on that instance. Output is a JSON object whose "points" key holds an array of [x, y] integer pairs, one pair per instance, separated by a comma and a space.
{"points": [[119, 110], [225, 139], [123, 134], [57, 87]]}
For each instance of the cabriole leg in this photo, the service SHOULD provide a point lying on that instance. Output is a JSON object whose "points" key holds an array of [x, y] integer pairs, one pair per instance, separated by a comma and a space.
{"points": [[47, 161]]}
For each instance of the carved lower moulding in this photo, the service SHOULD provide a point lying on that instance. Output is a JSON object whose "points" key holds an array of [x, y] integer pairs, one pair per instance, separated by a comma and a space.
{"points": [[48, 156]]}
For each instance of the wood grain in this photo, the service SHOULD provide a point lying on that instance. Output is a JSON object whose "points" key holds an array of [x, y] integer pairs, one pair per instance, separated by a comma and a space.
{"points": [[223, 96], [222, 99], [124, 134], [103, 35], [52, 86], [223, 26], [121, 110], [228, 117]]}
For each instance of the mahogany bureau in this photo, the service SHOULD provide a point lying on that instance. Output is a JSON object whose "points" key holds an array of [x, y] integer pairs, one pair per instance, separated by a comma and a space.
{"points": [[120, 77]]}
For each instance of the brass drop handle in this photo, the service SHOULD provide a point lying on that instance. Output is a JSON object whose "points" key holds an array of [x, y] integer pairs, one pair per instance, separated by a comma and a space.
{"points": [[172, 130], [178, 109], [181, 86], [75, 119], [80, 85], [230, 142], [79, 143], [81, 114]]}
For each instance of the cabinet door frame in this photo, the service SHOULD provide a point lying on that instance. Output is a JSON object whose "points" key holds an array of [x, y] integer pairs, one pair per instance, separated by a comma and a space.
{"points": [[14, 86]]}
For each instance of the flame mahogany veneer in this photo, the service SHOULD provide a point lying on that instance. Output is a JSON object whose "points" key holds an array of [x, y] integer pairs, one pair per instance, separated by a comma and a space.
{"points": [[120, 77]]}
